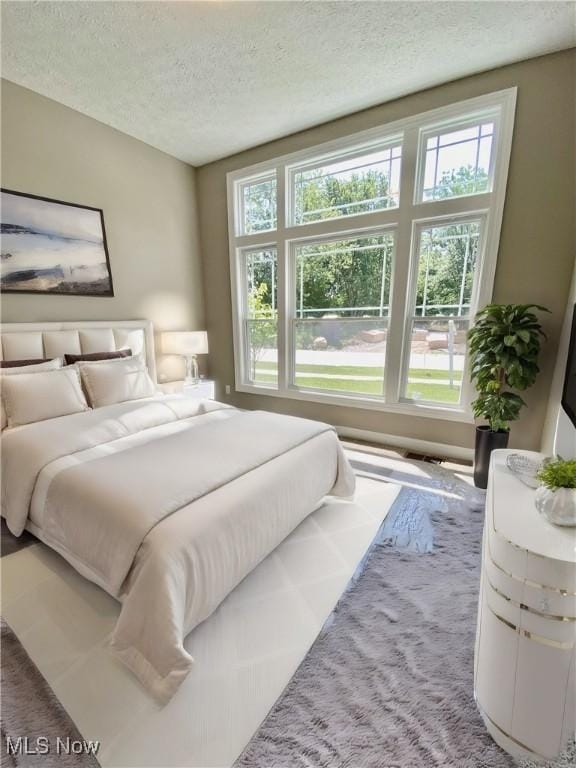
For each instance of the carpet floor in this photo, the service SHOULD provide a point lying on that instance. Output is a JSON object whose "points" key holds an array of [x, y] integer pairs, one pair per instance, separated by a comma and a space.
{"points": [[32, 712], [389, 681]]}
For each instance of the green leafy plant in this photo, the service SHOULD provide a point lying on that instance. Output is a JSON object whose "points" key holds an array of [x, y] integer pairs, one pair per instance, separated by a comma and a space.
{"points": [[558, 473], [263, 325], [504, 347]]}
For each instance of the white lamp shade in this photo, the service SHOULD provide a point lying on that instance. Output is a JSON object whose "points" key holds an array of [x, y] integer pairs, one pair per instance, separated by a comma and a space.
{"points": [[185, 343]]}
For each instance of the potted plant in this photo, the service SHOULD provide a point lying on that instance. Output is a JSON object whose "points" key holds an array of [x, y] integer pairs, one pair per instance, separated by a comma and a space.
{"points": [[504, 348], [556, 497]]}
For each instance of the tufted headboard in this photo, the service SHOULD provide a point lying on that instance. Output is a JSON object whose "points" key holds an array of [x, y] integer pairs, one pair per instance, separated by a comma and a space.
{"points": [[24, 341]]}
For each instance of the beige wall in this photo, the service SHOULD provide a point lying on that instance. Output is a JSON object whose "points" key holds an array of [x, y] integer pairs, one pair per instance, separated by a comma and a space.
{"points": [[150, 214], [536, 249]]}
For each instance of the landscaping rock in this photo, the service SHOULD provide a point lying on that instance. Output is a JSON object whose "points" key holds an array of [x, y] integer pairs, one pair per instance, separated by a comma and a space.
{"points": [[437, 341], [319, 343], [373, 337]]}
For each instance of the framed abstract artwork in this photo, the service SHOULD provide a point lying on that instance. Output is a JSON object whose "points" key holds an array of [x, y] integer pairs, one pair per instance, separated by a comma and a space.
{"points": [[49, 246]]}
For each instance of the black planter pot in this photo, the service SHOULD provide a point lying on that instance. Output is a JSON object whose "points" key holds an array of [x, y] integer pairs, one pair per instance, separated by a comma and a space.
{"points": [[486, 442]]}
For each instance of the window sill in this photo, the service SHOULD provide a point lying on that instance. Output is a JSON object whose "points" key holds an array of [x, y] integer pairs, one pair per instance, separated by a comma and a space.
{"points": [[427, 410]]}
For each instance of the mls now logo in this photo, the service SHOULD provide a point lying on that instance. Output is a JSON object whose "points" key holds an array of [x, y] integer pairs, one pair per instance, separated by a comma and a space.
{"points": [[22, 745]]}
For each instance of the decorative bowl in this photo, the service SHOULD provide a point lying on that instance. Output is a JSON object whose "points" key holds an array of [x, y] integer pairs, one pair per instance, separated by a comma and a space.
{"points": [[524, 468], [558, 505]]}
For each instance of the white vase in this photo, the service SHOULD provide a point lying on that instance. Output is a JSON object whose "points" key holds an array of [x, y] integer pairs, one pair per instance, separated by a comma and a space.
{"points": [[558, 505]]}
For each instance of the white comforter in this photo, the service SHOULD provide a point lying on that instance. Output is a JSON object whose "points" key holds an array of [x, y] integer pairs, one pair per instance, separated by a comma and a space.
{"points": [[167, 504]]}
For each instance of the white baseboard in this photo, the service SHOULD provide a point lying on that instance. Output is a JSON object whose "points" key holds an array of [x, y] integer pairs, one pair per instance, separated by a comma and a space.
{"points": [[426, 447]]}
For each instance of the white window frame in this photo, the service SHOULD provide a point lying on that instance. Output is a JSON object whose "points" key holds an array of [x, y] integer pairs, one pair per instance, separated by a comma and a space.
{"points": [[291, 309], [243, 274], [418, 226], [356, 151], [404, 220], [459, 125], [239, 208]]}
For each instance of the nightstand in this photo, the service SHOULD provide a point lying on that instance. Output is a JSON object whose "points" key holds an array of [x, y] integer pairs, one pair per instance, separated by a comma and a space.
{"points": [[204, 390], [526, 640]]}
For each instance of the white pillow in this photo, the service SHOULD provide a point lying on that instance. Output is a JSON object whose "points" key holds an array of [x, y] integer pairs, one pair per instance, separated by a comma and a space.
{"points": [[31, 397], [48, 365], [115, 381]]}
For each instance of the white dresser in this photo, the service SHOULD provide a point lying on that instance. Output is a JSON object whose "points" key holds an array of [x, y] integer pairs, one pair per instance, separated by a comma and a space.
{"points": [[524, 676]]}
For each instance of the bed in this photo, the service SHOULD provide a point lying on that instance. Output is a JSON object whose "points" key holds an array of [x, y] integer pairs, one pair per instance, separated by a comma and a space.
{"points": [[165, 502]]}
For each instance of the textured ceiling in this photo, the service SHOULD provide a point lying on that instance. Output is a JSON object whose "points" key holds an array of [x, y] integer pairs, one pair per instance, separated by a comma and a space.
{"points": [[202, 80]]}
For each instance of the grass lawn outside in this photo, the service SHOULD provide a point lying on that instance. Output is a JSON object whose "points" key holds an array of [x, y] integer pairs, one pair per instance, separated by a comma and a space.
{"points": [[360, 370], [434, 392], [437, 393]]}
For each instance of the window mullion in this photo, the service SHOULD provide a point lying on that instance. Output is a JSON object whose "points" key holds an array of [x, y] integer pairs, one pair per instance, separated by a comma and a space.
{"points": [[401, 271], [283, 281], [258, 240], [345, 224], [453, 206]]}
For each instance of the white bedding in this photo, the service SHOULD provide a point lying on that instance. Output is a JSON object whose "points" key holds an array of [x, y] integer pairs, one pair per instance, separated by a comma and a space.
{"points": [[167, 504]]}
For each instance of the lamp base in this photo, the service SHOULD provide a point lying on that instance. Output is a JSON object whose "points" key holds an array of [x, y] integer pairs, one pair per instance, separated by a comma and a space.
{"points": [[192, 379]]}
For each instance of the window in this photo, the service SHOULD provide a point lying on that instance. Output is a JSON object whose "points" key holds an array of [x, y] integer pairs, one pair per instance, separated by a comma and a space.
{"points": [[445, 266], [358, 266], [341, 313], [257, 205], [458, 162], [261, 316], [347, 186]]}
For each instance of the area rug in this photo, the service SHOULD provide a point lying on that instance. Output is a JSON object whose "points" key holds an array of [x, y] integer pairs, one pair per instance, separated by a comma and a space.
{"points": [[389, 681], [35, 729]]}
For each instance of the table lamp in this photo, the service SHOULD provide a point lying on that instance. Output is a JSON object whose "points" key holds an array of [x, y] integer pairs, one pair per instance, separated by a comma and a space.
{"points": [[188, 344]]}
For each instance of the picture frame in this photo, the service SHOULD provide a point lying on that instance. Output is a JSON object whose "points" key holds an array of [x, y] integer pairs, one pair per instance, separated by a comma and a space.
{"points": [[51, 246]]}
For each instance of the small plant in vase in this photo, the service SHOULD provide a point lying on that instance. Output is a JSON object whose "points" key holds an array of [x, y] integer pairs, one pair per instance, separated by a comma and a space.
{"points": [[556, 497], [504, 347]]}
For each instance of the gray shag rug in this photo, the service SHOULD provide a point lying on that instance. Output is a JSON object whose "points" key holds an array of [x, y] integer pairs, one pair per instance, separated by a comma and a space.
{"points": [[30, 710], [389, 681]]}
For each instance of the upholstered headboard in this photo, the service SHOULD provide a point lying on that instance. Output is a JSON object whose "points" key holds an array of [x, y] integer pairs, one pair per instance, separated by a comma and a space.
{"points": [[24, 341]]}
